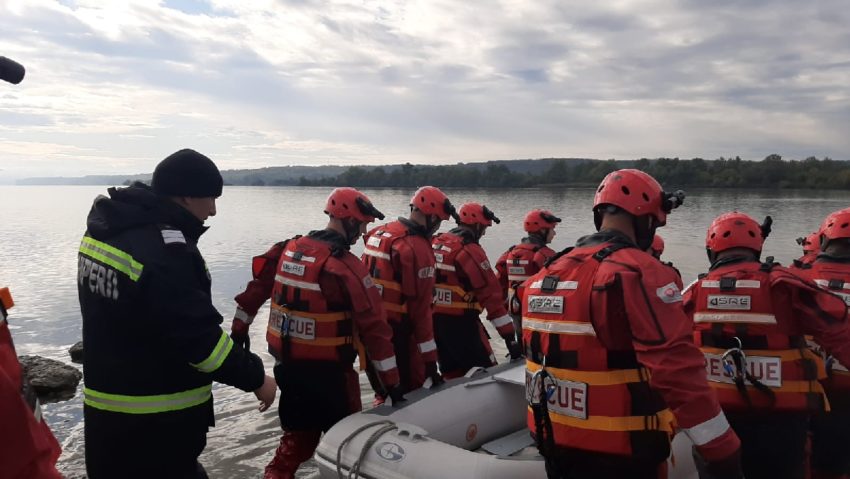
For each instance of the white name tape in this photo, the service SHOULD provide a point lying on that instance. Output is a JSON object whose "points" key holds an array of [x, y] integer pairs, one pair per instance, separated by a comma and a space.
{"points": [[768, 370], [568, 399], [442, 296]]}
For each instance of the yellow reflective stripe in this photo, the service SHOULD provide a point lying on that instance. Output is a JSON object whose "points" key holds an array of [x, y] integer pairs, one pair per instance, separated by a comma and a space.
{"points": [[147, 404], [337, 341], [593, 378], [661, 421], [112, 256], [456, 305], [218, 355]]}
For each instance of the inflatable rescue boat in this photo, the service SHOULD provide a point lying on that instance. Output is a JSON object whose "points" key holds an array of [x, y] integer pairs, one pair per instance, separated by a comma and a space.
{"points": [[470, 427]]}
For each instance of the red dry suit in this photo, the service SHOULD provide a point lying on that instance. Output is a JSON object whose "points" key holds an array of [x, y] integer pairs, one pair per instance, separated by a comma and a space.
{"points": [[833, 274], [29, 450], [604, 321], [517, 264], [830, 432], [324, 301], [400, 260], [466, 284], [768, 309]]}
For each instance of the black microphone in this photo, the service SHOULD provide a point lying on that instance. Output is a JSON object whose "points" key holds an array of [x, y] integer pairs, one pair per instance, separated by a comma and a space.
{"points": [[11, 71]]}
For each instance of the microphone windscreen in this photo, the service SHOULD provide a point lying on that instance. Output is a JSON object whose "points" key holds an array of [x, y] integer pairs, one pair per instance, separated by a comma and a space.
{"points": [[11, 71]]}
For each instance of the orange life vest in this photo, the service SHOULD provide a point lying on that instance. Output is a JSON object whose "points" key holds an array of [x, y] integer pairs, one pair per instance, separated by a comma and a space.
{"points": [[732, 305], [452, 296], [600, 399], [834, 277], [302, 325], [378, 260], [520, 265]]}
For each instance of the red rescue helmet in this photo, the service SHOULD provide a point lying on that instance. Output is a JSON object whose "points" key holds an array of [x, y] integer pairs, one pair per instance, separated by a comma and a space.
{"points": [[657, 245], [431, 201], [636, 193], [350, 203], [736, 230], [810, 243], [836, 226], [476, 213], [537, 220]]}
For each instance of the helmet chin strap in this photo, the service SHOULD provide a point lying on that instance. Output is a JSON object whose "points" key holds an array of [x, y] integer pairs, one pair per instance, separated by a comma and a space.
{"points": [[431, 225], [644, 227], [352, 229]]}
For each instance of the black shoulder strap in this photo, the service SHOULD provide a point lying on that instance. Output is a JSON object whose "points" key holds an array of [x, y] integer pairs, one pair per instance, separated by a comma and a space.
{"points": [[768, 264], [558, 255], [801, 265], [608, 250]]}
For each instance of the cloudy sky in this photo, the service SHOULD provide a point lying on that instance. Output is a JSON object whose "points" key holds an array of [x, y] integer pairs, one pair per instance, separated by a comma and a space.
{"points": [[114, 86]]}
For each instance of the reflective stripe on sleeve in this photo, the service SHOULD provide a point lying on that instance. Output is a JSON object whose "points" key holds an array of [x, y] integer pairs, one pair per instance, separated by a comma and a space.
{"points": [[427, 346], [704, 433], [502, 321], [377, 254], [147, 404], [112, 256], [298, 284], [385, 365], [218, 355], [241, 315]]}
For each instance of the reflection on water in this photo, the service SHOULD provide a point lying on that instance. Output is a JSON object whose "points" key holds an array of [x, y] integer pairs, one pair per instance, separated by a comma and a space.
{"points": [[41, 229]]}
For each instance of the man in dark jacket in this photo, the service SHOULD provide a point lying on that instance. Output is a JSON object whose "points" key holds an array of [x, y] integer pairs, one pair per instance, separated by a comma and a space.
{"points": [[152, 335]]}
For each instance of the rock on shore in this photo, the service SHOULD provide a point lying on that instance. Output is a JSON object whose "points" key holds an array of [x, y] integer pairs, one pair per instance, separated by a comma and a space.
{"points": [[52, 380]]}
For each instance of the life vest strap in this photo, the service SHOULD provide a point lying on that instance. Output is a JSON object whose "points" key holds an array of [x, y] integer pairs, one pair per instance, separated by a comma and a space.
{"points": [[661, 421], [594, 378]]}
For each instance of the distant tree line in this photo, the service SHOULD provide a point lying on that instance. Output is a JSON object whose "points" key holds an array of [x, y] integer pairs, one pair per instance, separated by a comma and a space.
{"points": [[772, 172]]}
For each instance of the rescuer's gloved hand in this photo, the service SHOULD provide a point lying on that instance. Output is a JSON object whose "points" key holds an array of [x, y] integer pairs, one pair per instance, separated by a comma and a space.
{"points": [[432, 372], [239, 333], [395, 393], [514, 348]]}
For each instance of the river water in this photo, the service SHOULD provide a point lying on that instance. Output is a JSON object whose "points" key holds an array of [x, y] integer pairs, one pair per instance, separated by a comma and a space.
{"points": [[41, 226]]}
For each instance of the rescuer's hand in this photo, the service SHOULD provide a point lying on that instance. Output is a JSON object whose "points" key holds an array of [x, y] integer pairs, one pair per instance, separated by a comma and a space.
{"points": [[266, 393], [432, 372], [239, 333], [514, 348]]}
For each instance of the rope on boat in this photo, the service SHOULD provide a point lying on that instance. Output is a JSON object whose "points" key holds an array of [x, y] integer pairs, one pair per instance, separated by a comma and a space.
{"points": [[354, 471]]}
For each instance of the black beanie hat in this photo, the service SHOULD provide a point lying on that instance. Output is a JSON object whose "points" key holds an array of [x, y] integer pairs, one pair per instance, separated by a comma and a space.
{"points": [[187, 173]]}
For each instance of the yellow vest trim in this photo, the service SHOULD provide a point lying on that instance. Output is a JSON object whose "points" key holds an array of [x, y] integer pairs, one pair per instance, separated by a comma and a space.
{"points": [[594, 378], [662, 421]]}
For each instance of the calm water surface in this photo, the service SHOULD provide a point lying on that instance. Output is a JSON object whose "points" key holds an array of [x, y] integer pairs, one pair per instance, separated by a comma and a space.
{"points": [[41, 229]]}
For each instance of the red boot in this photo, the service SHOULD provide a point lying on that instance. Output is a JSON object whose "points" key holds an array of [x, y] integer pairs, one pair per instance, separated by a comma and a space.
{"points": [[295, 447]]}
